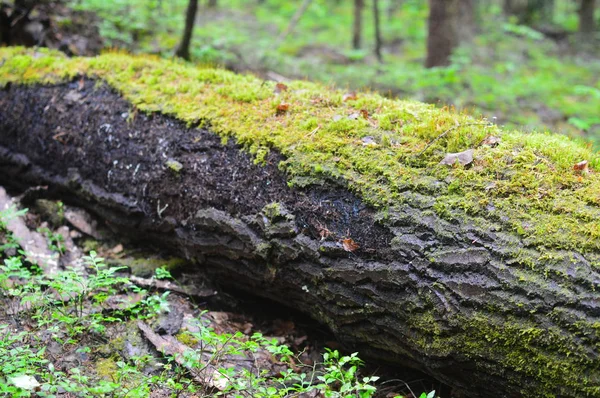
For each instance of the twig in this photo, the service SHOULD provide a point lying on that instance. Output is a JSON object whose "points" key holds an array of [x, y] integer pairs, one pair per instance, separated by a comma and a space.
{"points": [[448, 131], [159, 210]]}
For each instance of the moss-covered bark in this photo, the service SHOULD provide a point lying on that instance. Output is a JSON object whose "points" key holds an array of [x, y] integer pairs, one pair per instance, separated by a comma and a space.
{"points": [[484, 275]]}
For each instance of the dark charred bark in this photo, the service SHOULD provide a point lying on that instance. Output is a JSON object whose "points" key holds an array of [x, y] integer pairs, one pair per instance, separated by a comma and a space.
{"points": [[454, 299], [183, 51], [357, 24]]}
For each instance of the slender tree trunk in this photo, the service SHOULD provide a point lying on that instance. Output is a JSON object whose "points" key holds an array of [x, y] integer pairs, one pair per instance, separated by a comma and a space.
{"points": [[190, 17], [357, 27], [587, 23], [294, 21], [444, 19], [547, 12], [377, 30], [212, 3], [466, 24]]}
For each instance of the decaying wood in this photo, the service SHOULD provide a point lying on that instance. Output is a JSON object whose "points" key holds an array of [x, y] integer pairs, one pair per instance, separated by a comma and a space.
{"points": [[450, 298], [33, 243]]}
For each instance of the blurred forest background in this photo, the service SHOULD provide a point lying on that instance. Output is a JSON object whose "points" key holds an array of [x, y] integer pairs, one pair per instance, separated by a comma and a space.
{"points": [[529, 64]]}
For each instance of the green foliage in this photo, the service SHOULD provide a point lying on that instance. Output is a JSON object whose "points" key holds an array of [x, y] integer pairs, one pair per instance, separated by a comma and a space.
{"points": [[509, 72]]}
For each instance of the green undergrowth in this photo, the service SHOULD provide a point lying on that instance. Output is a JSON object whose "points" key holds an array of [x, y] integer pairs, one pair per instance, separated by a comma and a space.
{"points": [[509, 71], [379, 147], [61, 336]]}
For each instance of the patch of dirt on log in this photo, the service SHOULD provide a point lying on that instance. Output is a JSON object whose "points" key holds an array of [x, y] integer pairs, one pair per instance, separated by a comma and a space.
{"points": [[87, 116]]}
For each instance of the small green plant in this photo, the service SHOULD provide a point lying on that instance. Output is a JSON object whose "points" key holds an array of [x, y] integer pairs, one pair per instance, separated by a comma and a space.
{"points": [[56, 242], [162, 273]]}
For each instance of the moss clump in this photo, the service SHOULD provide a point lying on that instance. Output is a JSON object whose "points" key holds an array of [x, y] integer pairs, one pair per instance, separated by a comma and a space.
{"points": [[174, 166], [526, 183], [186, 338], [107, 369], [145, 267]]}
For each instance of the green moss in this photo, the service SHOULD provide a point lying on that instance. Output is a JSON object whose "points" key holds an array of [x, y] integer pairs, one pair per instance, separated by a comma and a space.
{"points": [[107, 369], [186, 338], [145, 266], [174, 166], [526, 183], [558, 363]]}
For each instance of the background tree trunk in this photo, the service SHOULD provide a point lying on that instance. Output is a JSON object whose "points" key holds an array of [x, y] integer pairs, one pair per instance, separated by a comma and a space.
{"points": [[376, 22], [443, 31], [587, 23], [294, 21], [357, 26], [547, 12], [212, 3], [183, 51]]}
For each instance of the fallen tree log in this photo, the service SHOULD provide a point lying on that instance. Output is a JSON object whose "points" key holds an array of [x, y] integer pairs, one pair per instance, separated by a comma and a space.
{"points": [[481, 271]]}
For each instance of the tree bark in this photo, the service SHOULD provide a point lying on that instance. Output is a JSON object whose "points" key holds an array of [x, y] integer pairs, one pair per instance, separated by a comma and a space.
{"points": [[443, 31], [376, 22], [587, 23], [357, 24], [465, 301], [183, 51]]}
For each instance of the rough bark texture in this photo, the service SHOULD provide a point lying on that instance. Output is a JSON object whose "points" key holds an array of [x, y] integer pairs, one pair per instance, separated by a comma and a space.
{"points": [[443, 34], [183, 50], [451, 299]]}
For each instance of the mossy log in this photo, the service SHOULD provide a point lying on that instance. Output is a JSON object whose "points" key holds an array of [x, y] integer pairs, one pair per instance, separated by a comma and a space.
{"points": [[483, 275]]}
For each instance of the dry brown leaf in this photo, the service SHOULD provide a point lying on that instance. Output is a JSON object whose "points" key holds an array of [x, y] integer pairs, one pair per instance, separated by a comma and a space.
{"points": [[364, 113], [282, 108], [582, 167], [491, 140], [350, 96], [464, 158], [349, 244], [279, 88]]}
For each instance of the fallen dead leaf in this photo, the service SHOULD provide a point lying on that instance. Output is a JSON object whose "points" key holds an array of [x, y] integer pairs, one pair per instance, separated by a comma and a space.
{"points": [[350, 96], [582, 167], [282, 108], [279, 88], [349, 245], [364, 113], [491, 140], [464, 158]]}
